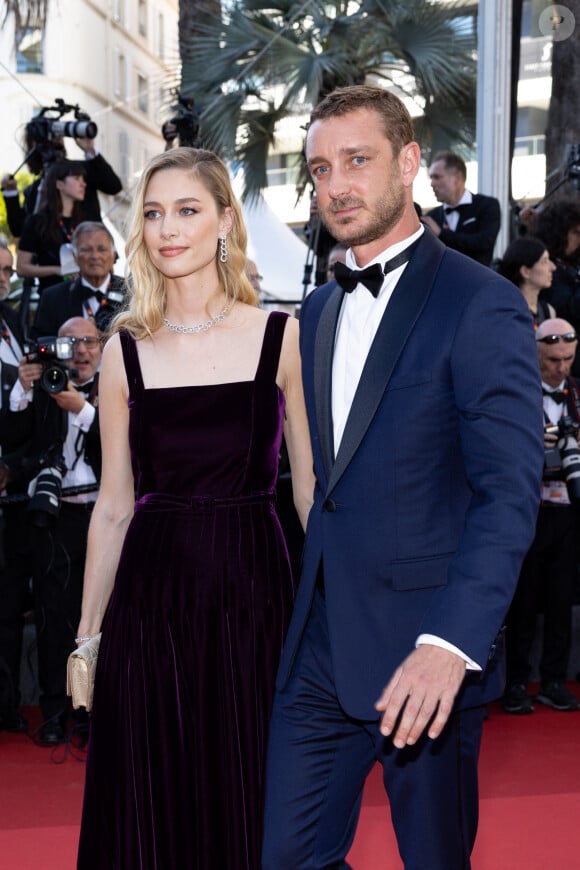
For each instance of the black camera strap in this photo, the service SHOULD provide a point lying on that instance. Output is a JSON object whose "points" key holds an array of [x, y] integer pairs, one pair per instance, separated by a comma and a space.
{"points": [[574, 398], [91, 391]]}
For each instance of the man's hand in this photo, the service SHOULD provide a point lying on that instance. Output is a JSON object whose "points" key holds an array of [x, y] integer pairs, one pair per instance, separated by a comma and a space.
{"points": [[8, 183], [422, 689], [28, 373], [86, 145], [70, 399], [433, 225], [4, 475]]}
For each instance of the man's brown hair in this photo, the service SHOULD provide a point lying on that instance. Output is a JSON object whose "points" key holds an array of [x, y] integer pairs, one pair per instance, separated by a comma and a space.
{"points": [[397, 122]]}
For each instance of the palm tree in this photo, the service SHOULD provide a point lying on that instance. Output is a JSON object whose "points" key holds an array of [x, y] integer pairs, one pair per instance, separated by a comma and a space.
{"points": [[564, 113], [264, 60]]}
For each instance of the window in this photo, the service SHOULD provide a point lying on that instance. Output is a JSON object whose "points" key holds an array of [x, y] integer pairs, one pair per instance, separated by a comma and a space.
{"points": [[120, 74], [124, 158], [142, 94], [29, 55], [161, 36], [142, 17], [282, 169], [119, 11]]}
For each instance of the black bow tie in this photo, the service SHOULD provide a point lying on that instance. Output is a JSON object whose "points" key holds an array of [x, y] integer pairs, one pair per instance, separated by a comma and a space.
{"points": [[372, 277], [85, 388], [458, 208], [89, 293], [558, 396]]}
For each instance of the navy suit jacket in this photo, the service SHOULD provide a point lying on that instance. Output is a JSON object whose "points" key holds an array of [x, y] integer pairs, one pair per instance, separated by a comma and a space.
{"points": [[421, 522], [477, 228]]}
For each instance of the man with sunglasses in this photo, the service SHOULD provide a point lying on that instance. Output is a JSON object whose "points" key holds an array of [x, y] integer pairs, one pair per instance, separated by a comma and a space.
{"points": [[61, 434], [549, 570]]}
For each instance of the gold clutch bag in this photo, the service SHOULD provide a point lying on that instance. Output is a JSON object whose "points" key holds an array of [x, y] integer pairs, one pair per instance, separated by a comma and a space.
{"points": [[80, 673]]}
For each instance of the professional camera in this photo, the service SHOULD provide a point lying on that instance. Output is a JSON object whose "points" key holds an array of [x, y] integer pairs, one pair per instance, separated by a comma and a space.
{"points": [[107, 309], [48, 126], [45, 490], [184, 125], [52, 352], [565, 457]]}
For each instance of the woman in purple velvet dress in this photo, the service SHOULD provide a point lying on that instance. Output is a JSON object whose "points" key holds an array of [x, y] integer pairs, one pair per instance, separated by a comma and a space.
{"points": [[187, 570]]}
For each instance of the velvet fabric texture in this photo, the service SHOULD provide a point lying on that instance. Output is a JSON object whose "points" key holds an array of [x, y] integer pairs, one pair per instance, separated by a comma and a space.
{"points": [[193, 632]]}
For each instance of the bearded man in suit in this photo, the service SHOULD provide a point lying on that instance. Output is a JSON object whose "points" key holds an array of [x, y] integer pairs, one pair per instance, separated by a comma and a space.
{"points": [[425, 419], [467, 222]]}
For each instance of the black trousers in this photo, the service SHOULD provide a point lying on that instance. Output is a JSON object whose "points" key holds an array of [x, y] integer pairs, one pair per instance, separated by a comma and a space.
{"points": [[59, 553], [15, 597], [547, 581]]}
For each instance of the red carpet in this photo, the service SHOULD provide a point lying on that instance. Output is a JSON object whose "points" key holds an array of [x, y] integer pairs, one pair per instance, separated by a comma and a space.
{"points": [[530, 800]]}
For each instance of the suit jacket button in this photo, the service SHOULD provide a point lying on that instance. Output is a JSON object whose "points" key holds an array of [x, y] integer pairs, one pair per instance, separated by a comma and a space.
{"points": [[330, 505]]}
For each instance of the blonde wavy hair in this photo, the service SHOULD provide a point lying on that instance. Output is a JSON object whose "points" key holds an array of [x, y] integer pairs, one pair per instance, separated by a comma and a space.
{"points": [[146, 290]]}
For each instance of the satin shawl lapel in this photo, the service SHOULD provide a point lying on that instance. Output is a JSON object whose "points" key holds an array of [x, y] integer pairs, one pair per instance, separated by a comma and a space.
{"points": [[402, 312], [323, 353]]}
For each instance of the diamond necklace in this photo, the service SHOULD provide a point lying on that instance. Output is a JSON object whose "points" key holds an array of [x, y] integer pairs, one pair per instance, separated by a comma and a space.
{"points": [[199, 327]]}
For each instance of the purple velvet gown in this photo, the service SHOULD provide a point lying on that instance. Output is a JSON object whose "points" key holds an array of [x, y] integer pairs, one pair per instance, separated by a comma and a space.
{"points": [[193, 631]]}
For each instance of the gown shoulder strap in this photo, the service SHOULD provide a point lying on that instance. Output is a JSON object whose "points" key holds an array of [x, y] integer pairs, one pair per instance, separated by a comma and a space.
{"points": [[132, 364], [271, 346]]}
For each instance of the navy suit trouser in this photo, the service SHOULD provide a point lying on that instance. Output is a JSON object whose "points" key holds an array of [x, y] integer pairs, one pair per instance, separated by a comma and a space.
{"points": [[319, 758]]}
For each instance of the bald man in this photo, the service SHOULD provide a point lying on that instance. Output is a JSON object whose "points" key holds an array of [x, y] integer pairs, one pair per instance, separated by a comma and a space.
{"points": [[549, 570]]}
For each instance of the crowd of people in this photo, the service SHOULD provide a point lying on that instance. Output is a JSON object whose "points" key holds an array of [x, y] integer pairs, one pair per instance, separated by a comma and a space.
{"points": [[243, 692]]}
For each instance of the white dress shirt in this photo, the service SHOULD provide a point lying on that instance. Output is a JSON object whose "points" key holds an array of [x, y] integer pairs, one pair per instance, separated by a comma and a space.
{"points": [[554, 491], [358, 322], [452, 217], [79, 472]]}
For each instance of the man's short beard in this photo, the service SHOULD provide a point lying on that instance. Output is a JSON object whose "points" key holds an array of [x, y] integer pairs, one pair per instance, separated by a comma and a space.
{"points": [[387, 216]]}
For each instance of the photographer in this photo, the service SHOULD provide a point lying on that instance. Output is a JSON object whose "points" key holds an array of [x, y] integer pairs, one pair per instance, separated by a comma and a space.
{"points": [[96, 293], [549, 570], [43, 148], [558, 226], [43, 250], [59, 423]]}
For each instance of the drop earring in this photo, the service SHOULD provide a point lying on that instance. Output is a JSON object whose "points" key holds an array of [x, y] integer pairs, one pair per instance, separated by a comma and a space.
{"points": [[223, 249]]}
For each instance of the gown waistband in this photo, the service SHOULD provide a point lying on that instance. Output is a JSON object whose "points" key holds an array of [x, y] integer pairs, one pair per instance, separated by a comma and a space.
{"points": [[156, 501]]}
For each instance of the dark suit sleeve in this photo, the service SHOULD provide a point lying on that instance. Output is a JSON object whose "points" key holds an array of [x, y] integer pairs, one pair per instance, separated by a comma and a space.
{"points": [[497, 394], [101, 175], [16, 428], [51, 312], [15, 215], [481, 239], [564, 294]]}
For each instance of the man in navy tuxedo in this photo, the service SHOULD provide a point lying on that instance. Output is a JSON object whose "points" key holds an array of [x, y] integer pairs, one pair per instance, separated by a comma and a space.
{"points": [[467, 222], [424, 407]]}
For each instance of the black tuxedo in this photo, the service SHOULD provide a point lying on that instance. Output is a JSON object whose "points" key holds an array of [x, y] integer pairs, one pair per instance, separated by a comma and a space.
{"points": [[59, 302], [16, 565], [10, 317], [58, 548], [40, 426], [477, 229], [547, 582]]}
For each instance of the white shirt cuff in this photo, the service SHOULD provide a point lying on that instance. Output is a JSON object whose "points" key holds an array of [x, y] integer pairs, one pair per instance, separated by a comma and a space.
{"points": [[470, 665], [84, 418], [19, 397]]}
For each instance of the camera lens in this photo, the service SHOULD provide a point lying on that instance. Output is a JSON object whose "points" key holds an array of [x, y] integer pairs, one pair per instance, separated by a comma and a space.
{"points": [[54, 379]]}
